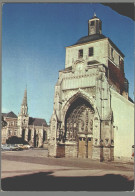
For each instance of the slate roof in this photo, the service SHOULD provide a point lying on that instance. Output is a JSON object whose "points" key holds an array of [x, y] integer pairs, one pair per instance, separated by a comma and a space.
{"points": [[94, 37], [90, 38], [37, 121], [9, 115]]}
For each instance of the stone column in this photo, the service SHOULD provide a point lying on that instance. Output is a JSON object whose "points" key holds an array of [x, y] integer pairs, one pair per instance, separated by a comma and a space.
{"points": [[52, 145]]}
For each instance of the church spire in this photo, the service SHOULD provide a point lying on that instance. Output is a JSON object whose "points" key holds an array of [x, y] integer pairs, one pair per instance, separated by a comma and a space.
{"points": [[25, 98], [24, 107]]}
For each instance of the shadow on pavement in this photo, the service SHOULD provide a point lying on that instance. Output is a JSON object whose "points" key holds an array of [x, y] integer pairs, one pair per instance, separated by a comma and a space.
{"points": [[43, 181]]}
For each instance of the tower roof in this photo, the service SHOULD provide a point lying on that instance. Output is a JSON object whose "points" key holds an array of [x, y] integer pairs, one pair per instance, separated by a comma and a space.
{"points": [[96, 37], [90, 38]]}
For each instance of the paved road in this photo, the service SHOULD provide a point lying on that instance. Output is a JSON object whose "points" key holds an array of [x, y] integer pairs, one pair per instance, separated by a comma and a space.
{"points": [[33, 170]]}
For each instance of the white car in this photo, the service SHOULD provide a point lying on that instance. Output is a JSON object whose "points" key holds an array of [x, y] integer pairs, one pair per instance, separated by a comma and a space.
{"points": [[6, 147]]}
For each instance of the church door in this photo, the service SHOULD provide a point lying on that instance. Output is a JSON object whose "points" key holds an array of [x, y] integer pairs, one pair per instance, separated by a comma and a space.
{"points": [[79, 126]]}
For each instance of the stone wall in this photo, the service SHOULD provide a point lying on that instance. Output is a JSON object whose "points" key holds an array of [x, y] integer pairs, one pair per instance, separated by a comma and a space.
{"points": [[71, 150], [107, 153], [123, 112], [60, 150], [96, 153], [99, 54]]}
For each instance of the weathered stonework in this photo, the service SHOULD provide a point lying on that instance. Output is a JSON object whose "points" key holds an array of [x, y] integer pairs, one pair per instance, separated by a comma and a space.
{"points": [[82, 101]]}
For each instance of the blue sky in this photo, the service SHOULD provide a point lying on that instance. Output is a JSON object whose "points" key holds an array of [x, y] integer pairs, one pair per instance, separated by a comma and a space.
{"points": [[34, 37]]}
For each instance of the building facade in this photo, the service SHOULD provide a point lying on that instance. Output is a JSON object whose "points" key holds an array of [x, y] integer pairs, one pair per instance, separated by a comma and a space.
{"points": [[9, 126], [32, 130], [87, 98]]}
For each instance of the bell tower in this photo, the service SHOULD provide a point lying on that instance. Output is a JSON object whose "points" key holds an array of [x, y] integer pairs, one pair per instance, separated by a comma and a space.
{"points": [[94, 25], [23, 118]]}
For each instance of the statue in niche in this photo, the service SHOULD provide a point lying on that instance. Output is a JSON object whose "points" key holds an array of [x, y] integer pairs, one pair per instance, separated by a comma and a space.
{"points": [[82, 125], [106, 141], [91, 125], [86, 128]]}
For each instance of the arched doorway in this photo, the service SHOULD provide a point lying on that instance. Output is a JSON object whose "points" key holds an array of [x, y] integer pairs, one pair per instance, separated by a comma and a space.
{"points": [[79, 126]]}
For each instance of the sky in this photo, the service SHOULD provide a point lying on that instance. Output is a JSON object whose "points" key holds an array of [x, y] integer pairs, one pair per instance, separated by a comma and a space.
{"points": [[34, 37]]}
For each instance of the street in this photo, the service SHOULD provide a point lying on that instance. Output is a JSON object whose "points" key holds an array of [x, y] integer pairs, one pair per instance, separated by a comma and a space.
{"points": [[32, 170]]}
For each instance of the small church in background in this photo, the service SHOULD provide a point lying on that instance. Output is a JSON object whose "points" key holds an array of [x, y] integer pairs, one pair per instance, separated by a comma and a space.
{"points": [[32, 130], [93, 115]]}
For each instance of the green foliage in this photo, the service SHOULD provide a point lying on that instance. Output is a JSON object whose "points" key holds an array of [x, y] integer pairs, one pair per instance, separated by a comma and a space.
{"points": [[16, 140]]}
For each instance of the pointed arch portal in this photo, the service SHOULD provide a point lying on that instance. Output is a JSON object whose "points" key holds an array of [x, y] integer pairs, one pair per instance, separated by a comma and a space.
{"points": [[78, 119], [79, 125]]}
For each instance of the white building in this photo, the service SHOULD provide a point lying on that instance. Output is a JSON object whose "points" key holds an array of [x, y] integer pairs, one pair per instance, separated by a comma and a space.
{"points": [[93, 117]]}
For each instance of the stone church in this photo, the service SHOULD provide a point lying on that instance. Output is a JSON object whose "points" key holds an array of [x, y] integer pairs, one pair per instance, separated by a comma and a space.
{"points": [[91, 104], [32, 130]]}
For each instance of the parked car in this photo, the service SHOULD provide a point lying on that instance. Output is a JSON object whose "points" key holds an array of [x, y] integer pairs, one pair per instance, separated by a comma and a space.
{"points": [[6, 147], [26, 146], [15, 147], [10, 147]]}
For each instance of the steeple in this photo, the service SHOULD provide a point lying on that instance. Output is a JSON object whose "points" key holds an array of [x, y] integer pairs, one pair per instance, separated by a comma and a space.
{"points": [[94, 25], [24, 107], [25, 98]]}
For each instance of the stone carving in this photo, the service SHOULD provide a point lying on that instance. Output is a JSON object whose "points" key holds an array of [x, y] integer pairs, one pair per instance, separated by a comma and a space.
{"points": [[90, 90], [91, 125], [82, 125], [106, 141], [96, 140], [112, 142]]}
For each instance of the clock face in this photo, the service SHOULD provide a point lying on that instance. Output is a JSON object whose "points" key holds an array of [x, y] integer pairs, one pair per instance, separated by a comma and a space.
{"points": [[79, 67]]}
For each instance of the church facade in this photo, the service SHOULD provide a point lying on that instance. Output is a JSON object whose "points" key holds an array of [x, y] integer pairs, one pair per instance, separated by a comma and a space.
{"points": [[91, 101], [32, 130]]}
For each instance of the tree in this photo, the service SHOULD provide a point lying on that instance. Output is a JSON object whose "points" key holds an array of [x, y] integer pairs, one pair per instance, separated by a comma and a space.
{"points": [[16, 140]]}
